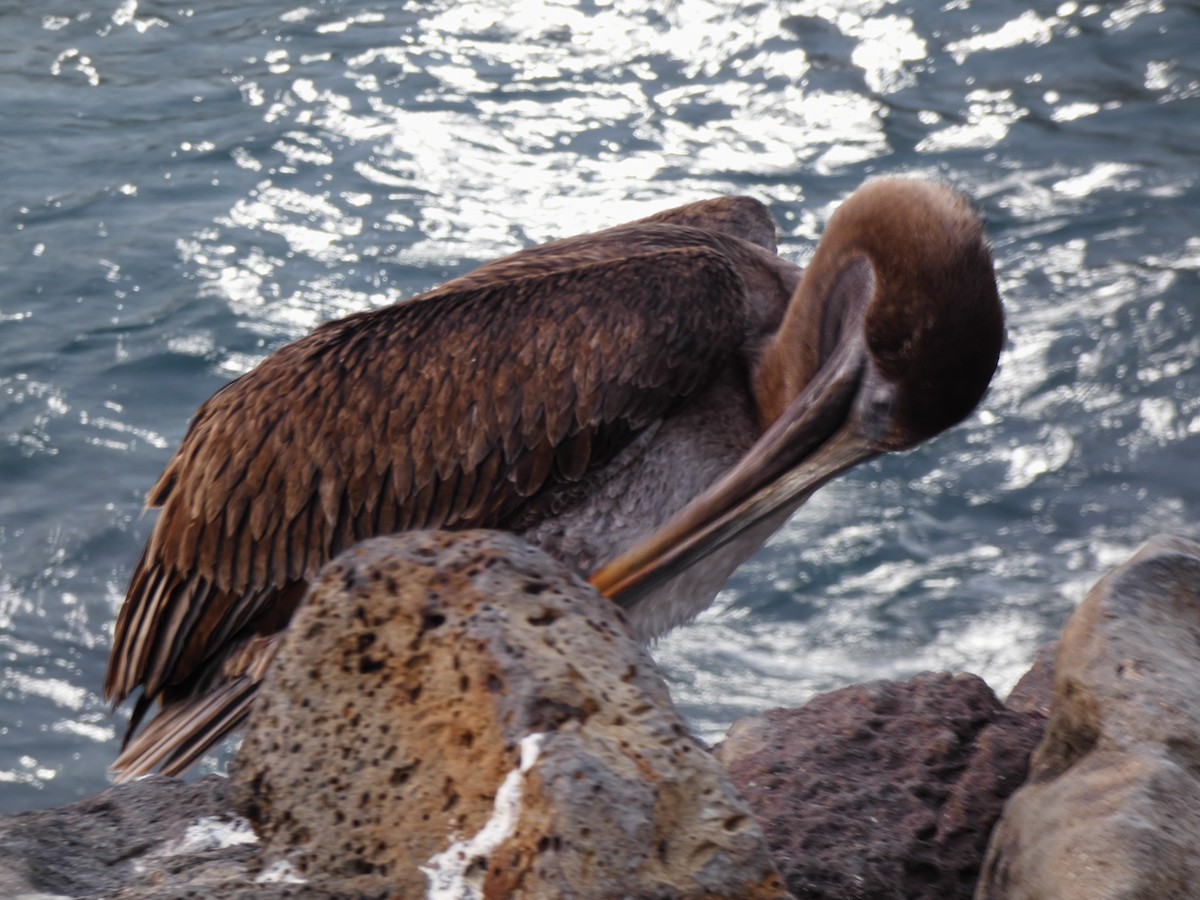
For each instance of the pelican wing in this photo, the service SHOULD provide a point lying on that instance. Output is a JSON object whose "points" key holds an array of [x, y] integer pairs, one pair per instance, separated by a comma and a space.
{"points": [[742, 217], [450, 410]]}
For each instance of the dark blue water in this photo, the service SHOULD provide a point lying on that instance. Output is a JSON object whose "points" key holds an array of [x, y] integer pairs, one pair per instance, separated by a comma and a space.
{"points": [[183, 189]]}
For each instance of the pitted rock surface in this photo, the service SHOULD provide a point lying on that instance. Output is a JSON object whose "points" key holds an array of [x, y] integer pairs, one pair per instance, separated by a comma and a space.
{"points": [[882, 790], [1112, 807], [459, 712]]}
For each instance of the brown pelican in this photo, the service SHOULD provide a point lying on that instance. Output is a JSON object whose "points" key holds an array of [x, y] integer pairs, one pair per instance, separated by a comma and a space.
{"points": [[648, 403]]}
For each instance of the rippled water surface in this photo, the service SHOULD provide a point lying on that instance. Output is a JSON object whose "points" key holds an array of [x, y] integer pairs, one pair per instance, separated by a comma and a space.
{"points": [[183, 189]]}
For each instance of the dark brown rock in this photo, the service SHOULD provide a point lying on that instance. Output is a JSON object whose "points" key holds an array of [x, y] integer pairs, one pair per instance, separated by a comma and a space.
{"points": [[882, 790], [1112, 806], [459, 713]]}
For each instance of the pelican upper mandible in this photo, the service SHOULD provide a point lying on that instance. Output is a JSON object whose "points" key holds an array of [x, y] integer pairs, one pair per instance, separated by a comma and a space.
{"points": [[648, 403]]}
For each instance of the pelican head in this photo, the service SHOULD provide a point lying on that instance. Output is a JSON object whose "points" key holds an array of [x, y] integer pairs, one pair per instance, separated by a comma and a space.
{"points": [[891, 337]]}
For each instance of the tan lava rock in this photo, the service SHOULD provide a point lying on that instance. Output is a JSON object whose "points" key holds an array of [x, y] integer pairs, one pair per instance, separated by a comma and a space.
{"points": [[883, 790], [1112, 807], [459, 714]]}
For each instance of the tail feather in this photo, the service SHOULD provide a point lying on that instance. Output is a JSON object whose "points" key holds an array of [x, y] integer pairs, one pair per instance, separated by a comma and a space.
{"points": [[197, 715], [184, 730]]}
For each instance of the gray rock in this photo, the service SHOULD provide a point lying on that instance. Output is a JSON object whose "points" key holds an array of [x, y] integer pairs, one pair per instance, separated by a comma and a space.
{"points": [[882, 790], [459, 712], [1112, 807], [142, 839]]}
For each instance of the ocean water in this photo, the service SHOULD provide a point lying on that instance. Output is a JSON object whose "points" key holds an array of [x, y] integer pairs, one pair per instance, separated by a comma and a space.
{"points": [[184, 188]]}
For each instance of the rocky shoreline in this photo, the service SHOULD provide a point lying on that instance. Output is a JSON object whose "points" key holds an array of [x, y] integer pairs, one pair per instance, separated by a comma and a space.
{"points": [[457, 716]]}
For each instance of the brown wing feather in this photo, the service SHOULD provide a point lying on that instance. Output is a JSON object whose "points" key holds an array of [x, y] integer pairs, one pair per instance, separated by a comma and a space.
{"points": [[742, 217], [739, 217], [449, 410]]}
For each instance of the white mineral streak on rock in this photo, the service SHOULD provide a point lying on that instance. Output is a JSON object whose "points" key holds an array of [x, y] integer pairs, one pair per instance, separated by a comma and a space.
{"points": [[280, 872], [206, 834], [452, 873], [212, 833]]}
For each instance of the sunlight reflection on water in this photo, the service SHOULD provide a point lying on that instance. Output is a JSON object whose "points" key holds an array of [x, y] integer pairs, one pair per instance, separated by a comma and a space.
{"points": [[198, 185]]}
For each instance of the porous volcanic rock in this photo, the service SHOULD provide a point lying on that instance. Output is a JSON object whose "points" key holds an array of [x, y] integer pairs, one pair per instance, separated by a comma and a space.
{"points": [[459, 713], [1112, 807], [885, 789]]}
